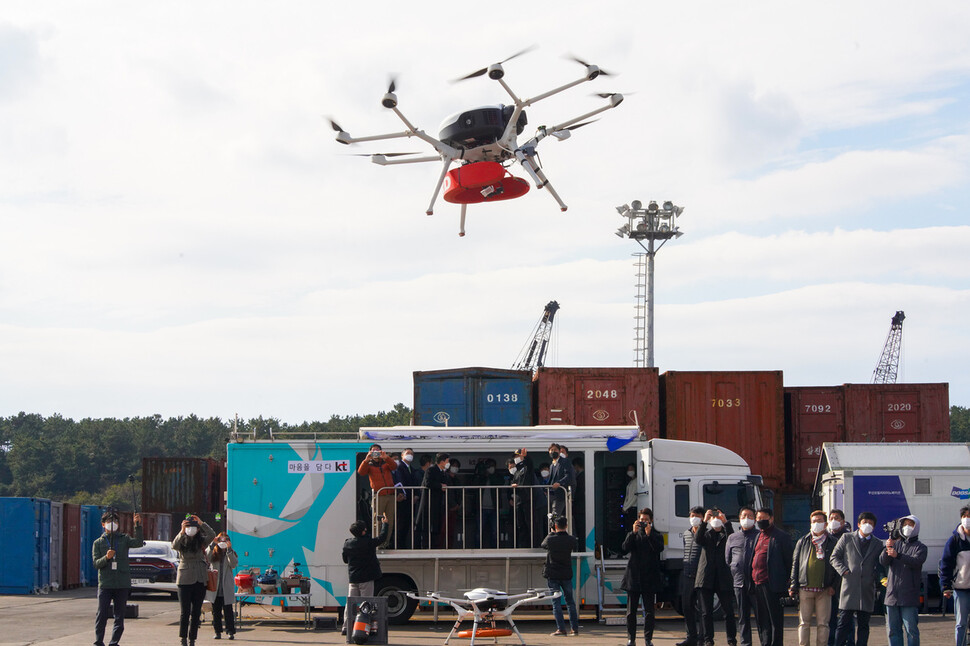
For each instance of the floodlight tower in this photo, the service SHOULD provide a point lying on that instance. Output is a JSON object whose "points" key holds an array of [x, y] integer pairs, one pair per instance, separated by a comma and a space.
{"points": [[650, 224]]}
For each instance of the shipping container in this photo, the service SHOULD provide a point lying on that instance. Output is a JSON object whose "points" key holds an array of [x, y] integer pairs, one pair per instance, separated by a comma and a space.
{"points": [[813, 415], [792, 511], [182, 485], [599, 397], [473, 397], [897, 412], [71, 555], [57, 545], [741, 411], [90, 531], [25, 542]]}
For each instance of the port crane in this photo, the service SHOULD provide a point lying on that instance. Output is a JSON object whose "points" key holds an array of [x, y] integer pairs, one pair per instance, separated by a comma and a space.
{"points": [[533, 354], [888, 366]]}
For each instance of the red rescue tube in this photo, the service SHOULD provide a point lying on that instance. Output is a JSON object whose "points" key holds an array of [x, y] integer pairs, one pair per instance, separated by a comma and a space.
{"points": [[482, 182], [485, 632]]}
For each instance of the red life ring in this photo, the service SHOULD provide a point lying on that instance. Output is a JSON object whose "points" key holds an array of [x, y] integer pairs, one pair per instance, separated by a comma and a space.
{"points": [[485, 632], [470, 184]]}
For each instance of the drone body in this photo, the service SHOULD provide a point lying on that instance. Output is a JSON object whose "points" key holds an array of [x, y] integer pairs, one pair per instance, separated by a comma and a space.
{"points": [[483, 142]]}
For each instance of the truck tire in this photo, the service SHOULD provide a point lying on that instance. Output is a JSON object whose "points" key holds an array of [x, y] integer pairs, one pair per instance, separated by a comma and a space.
{"points": [[399, 606]]}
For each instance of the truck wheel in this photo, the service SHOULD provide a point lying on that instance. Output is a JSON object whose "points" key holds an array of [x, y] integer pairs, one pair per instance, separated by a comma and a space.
{"points": [[399, 606]]}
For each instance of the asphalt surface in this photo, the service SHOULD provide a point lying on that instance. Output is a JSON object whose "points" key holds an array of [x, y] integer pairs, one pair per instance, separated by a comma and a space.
{"points": [[67, 619]]}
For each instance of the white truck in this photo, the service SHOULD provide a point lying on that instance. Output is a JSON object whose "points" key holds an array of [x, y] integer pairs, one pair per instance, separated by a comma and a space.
{"points": [[928, 480], [291, 500]]}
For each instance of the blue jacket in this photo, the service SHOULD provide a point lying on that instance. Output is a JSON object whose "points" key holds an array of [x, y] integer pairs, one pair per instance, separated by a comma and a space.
{"points": [[738, 552], [955, 562]]}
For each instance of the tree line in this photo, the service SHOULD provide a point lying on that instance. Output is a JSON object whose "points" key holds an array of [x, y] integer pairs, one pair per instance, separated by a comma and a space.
{"points": [[88, 461]]}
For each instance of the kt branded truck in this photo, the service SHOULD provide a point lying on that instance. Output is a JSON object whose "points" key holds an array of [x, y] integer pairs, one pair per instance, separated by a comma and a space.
{"points": [[292, 499]]}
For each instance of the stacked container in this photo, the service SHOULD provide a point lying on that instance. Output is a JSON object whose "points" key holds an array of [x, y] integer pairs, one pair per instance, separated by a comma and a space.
{"points": [[813, 415], [182, 485], [90, 531], [741, 411], [25, 542], [599, 397], [473, 397], [71, 557], [57, 545]]}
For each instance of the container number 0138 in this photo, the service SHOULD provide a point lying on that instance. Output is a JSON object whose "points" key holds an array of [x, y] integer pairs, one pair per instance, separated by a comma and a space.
{"points": [[501, 398]]}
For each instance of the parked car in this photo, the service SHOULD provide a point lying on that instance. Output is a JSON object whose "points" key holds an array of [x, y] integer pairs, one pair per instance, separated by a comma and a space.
{"points": [[153, 567]]}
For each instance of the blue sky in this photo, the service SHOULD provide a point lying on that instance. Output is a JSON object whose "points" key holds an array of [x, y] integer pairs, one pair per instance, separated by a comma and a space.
{"points": [[181, 234]]}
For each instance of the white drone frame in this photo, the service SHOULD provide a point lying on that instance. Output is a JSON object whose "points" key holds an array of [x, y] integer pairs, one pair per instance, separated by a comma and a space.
{"points": [[507, 146], [466, 608]]}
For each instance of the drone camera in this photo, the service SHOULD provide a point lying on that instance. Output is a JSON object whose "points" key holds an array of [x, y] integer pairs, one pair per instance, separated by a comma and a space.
{"points": [[389, 101]]}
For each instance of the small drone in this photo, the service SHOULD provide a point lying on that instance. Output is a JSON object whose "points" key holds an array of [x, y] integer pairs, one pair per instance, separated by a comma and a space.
{"points": [[484, 142], [487, 605]]}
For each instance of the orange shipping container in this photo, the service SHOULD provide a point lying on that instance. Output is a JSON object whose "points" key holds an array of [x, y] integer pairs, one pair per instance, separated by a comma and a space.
{"points": [[897, 412], [741, 411], [599, 397], [813, 415]]}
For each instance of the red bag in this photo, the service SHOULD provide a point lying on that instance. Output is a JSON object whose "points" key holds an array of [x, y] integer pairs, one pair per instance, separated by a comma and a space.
{"points": [[213, 582]]}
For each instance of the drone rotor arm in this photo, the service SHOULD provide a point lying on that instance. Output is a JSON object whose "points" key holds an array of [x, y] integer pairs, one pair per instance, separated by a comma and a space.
{"points": [[357, 140], [592, 113], [382, 160]]}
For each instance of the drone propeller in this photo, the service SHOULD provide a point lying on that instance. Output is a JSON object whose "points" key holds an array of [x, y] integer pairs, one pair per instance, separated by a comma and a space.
{"points": [[381, 154], [336, 126], [580, 125], [393, 85], [594, 70], [482, 71]]}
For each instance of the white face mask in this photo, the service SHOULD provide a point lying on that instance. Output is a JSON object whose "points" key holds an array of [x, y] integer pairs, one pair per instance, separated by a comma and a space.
{"points": [[408, 457], [396, 462], [191, 531], [454, 469], [716, 523], [695, 521], [907, 530], [518, 459], [512, 470], [865, 528], [544, 473], [747, 523], [818, 528], [223, 546], [966, 523], [630, 474], [111, 527], [835, 525]]}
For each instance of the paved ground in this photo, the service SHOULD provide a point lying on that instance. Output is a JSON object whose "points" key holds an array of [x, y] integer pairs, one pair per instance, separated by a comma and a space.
{"points": [[67, 618]]}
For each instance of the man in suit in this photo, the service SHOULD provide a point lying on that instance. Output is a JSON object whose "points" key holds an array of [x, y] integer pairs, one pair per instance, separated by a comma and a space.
{"points": [[561, 477], [855, 558], [521, 470], [409, 478], [770, 571], [432, 511]]}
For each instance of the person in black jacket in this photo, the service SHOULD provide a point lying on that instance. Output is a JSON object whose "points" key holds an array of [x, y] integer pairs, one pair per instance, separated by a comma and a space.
{"points": [[523, 478], [363, 568], [643, 578], [432, 511], [558, 572], [770, 573], [688, 593], [714, 576], [409, 478]]}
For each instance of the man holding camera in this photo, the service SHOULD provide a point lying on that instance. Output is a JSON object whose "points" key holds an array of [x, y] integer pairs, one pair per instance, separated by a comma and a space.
{"points": [[110, 556], [643, 578], [904, 556], [558, 572], [379, 469]]}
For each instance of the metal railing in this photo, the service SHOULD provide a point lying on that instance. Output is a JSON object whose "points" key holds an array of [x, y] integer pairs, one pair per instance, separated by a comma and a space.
{"points": [[471, 516]]}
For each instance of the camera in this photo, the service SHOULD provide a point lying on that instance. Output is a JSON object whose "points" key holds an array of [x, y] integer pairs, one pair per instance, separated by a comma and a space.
{"points": [[893, 528]]}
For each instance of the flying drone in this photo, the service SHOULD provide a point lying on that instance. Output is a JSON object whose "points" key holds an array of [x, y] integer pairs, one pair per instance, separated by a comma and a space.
{"points": [[487, 605], [483, 143]]}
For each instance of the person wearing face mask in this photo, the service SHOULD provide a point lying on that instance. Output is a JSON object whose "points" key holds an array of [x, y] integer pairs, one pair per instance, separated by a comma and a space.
{"points": [[409, 478], [739, 550], [432, 511], [223, 560], [836, 528], [455, 504], [813, 581], [579, 502], [643, 578], [487, 497], [110, 556], [629, 509], [714, 576], [561, 478], [955, 574], [904, 556], [192, 575], [378, 467], [856, 559], [688, 593], [523, 478], [770, 572]]}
